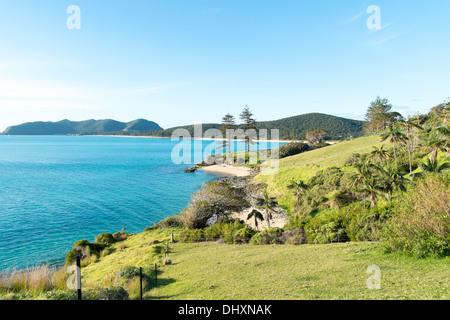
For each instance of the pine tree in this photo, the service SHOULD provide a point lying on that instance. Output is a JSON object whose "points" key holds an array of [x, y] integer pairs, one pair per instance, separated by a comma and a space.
{"points": [[248, 123], [379, 115], [228, 123]]}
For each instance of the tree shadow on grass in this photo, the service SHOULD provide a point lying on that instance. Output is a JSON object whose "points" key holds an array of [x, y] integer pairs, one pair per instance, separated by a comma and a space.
{"points": [[160, 282]]}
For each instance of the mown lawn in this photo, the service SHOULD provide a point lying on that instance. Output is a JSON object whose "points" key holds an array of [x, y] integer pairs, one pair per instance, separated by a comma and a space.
{"points": [[218, 271]]}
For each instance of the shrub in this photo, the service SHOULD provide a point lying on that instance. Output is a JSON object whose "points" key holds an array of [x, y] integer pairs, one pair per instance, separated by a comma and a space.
{"points": [[366, 225], [105, 238], [319, 145], [213, 232], [213, 199], [81, 243], [120, 236], [171, 222], [294, 237], [129, 272], [269, 236], [337, 199], [114, 293], [191, 235], [224, 229], [243, 235], [292, 148], [421, 224], [84, 249], [326, 227]]}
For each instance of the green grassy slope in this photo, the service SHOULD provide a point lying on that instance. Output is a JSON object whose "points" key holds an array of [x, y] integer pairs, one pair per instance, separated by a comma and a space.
{"points": [[303, 166], [335, 271]]}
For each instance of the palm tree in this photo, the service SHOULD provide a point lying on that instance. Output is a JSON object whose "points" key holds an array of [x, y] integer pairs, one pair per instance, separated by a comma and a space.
{"points": [[410, 125], [390, 180], [445, 131], [267, 203], [434, 144], [370, 188], [360, 176], [300, 189], [380, 154], [434, 166], [257, 215], [393, 135]]}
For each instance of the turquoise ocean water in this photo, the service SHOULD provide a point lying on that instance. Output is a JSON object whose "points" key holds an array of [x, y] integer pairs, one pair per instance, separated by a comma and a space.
{"points": [[55, 190]]}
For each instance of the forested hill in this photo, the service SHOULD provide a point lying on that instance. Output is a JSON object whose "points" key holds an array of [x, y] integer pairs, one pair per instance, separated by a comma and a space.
{"points": [[291, 128], [296, 127], [67, 127]]}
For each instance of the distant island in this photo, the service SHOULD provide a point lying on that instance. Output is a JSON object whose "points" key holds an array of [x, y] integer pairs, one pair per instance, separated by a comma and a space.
{"points": [[292, 128], [87, 127]]}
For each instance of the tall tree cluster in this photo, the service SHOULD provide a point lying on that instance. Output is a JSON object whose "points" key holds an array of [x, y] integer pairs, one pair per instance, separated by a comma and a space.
{"points": [[248, 125], [379, 116]]}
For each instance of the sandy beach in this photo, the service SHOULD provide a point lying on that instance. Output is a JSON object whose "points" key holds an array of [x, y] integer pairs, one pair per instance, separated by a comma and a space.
{"points": [[228, 170]]}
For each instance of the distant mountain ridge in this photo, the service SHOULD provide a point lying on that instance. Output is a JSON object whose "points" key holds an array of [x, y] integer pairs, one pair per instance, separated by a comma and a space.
{"points": [[292, 128], [67, 127]]}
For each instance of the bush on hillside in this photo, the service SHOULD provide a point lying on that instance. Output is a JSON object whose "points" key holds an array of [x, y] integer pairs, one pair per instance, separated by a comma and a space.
{"points": [[366, 225], [120, 236], [243, 235], [84, 249], [214, 199], [230, 231], [319, 145], [105, 238], [268, 236], [421, 224], [292, 149], [294, 237], [129, 272], [326, 227], [113, 293], [191, 235]]}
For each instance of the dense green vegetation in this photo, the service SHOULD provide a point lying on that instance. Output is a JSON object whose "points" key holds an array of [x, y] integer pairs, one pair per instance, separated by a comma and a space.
{"points": [[292, 128], [371, 189]]}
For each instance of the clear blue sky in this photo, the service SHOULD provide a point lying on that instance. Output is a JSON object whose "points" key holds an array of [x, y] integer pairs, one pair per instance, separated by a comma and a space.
{"points": [[178, 62]]}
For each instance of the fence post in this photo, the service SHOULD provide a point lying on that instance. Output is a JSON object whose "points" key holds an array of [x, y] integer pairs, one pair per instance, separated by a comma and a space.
{"points": [[140, 275], [171, 237], [79, 277]]}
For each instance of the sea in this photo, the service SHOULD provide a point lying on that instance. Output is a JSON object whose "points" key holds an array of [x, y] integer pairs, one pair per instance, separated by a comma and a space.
{"points": [[55, 190]]}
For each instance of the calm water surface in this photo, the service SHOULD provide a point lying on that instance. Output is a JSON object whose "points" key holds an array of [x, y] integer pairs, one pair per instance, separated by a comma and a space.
{"points": [[55, 190]]}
